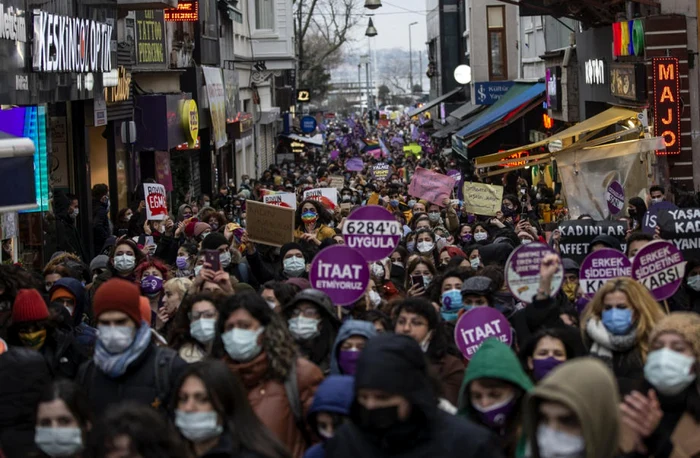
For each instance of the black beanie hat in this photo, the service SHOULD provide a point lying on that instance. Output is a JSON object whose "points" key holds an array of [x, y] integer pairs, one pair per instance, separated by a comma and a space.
{"points": [[213, 241], [290, 246]]}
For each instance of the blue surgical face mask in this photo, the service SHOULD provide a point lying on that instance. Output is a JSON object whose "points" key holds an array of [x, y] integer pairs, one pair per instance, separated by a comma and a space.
{"points": [[451, 300], [411, 246], [617, 321], [694, 282]]}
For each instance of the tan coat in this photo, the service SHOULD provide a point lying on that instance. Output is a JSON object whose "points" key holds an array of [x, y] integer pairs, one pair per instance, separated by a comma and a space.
{"points": [[269, 399], [686, 438]]}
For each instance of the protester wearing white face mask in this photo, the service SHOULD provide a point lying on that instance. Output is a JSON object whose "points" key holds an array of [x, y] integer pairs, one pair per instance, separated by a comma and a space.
{"points": [[573, 412], [63, 420], [256, 346], [126, 360], [665, 418], [215, 418], [123, 259], [313, 322], [194, 327]]}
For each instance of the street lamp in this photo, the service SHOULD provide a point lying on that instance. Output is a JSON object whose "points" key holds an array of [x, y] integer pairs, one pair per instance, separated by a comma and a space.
{"points": [[373, 4], [371, 30], [410, 54]]}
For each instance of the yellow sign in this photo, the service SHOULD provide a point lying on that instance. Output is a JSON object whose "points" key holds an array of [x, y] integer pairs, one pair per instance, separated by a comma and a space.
{"points": [[122, 90], [482, 199], [189, 117]]}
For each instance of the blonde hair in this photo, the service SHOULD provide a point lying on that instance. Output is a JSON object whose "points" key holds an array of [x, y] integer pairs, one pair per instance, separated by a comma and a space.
{"points": [[648, 311], [180, 285]]}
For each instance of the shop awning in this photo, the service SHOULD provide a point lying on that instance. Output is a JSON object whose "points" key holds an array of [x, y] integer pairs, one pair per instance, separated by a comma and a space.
{"points": [[594, 124], [316, 140], [519, 96], [459, 123], [428, 105]]}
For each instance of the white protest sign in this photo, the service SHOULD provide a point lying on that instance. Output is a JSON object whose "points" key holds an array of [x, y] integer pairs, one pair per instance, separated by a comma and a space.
{"points": [[156, 201], [283, 199], [327, 196]]}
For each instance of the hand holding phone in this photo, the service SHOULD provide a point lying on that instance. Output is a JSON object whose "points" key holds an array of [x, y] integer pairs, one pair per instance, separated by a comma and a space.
{"points": [[417, 280], [212, 257]]}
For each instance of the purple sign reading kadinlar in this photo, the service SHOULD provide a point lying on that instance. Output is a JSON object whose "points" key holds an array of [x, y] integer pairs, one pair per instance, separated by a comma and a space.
{"points": [[601, 266], [660, 267], [523, 271], [341, 272], [615, 196], [373, 231], [479, 324]]}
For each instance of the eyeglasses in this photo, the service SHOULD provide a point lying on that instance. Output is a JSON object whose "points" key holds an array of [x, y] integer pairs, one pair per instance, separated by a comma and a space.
{"points": [[209, 315]]}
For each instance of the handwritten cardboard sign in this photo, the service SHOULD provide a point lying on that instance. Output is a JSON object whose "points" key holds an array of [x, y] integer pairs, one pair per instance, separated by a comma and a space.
{"points": [[431, 186], [482, 199], [282, 199], [269, 224], [156, 201], [337, 181]]}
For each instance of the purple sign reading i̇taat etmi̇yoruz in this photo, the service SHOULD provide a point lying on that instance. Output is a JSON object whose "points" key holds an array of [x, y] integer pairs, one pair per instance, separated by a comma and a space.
{"points": [[660, 267], [479, 324], [615, 197], [373, 231], [341, 272], [523, 271], [601, 266]]}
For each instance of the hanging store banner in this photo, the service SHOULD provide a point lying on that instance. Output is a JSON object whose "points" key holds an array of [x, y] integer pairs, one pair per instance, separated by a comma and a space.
{"points": [[231, 87], [667, 103], [150, 38], [217, 104]]}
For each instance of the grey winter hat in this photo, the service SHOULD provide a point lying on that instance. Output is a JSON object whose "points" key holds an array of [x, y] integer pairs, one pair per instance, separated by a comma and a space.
{"points": [[99, 262], [480, 286]]}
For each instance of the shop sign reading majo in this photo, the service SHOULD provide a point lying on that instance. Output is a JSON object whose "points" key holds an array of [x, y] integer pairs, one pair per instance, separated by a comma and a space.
{"points": [[667, 106], [66, 44]]}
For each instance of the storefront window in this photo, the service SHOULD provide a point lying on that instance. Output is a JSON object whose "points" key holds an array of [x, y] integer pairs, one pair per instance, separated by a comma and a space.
{"points": [[498, 62]]}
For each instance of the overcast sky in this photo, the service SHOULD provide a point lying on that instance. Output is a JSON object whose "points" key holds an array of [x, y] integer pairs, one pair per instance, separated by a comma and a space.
{"points": [[391, 21]]}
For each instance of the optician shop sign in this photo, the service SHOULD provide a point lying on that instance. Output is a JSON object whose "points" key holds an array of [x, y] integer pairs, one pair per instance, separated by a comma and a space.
{"points": [[68, 44]]}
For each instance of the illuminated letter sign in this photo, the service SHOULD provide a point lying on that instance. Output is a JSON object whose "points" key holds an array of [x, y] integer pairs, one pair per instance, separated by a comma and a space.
{"points": [[185, 12], [667, 104], [303, 95]]}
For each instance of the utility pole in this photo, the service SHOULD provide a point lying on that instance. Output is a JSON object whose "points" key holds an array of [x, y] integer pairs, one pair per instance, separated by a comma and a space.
{"points": [[410, 56], [359, 80], [420, 68]]}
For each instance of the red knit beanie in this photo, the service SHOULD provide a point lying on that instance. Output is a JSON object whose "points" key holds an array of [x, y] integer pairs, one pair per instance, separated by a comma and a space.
{"points": [[117, 295], [29, 306]]}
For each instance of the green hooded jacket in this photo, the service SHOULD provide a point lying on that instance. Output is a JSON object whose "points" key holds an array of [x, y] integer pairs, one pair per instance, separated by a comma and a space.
{"points": [[496, 360]]}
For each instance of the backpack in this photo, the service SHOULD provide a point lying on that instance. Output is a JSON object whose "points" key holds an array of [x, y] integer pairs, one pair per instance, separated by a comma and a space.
{"points": [[162, 369], [291, 388]]}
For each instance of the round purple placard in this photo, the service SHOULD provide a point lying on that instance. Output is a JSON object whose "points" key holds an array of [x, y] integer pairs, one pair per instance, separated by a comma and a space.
{"points": [[601, 266], [660, 267], [615, 196], [341, 272], [523, 271], [373, 231], [479, 324]]}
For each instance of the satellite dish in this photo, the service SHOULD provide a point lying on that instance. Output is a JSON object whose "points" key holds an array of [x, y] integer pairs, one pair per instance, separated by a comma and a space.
{"points": [[463, 74]]}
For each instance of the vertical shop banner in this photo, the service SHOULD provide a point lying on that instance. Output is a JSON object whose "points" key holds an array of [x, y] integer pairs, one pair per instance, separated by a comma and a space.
{"points": [[231, 87], [163, 173], [217, 103], [156, 201], [150, 38]]}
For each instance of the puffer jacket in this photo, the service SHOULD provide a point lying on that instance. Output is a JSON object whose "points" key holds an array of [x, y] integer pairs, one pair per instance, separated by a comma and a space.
{"points": [[268, 398], [24, 375], [334, 396]]}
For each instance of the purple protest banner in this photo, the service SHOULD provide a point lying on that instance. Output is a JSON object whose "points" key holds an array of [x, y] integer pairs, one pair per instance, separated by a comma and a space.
{"points": [[341, 272], [380, 171], [479, 324], [373, 231], [601, 266], [615, 196], [649, 222], [523, 271], [660, 267], [354, 165]]}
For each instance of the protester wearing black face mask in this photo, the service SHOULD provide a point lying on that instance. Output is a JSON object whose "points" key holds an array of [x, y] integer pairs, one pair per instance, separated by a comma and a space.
{"points": [[395, 410], [636, 208]]}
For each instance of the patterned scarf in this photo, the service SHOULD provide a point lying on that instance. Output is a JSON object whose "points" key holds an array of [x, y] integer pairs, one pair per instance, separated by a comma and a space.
{"points": [[115, 365], [605, 343]]}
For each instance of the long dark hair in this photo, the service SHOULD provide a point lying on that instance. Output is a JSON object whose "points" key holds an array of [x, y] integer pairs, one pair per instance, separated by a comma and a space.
{"points": [[230, 401], [73, 397], [323, 216], [179, 334], [278, 344]]}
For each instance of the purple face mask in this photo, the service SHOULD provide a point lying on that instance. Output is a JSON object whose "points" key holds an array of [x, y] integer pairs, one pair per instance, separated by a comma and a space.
{"points": [[347, 360], [151, 285], [181, 262], [542, 367], [466, 238], [495, 416]]}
